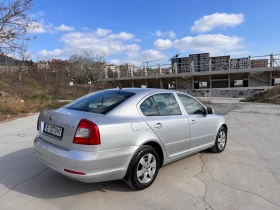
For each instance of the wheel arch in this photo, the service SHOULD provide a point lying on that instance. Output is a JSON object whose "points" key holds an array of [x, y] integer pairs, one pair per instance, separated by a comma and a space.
{"points": [[158, 148], [153, 144], [225, 126]]}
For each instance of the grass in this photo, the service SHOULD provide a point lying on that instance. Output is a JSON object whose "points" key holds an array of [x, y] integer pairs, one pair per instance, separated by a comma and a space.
{"points": [[31, 95], [15, 106]]}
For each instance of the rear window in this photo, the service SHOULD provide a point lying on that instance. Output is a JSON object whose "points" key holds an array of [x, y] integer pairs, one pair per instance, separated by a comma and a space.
{"points": [[101, 102]]}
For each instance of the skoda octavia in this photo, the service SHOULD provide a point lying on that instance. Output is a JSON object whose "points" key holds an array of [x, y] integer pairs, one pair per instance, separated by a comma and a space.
{"points": [[126, 134]]}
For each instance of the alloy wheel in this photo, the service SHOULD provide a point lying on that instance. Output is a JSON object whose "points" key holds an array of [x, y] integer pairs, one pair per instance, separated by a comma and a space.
{"points": [[221, 140], [146, 168]]}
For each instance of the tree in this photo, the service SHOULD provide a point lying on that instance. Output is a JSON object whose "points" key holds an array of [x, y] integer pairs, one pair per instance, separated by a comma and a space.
{"points": [[14, 23], [23, 55], [60, 71], [88, 67]]}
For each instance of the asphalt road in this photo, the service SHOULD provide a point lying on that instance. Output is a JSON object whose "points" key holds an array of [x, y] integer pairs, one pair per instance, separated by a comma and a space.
{"points": [[245, 176]]}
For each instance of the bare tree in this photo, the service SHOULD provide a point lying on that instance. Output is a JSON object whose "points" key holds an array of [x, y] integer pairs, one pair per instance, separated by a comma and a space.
{"points": [[23, 61], [14, 23], [88, 67], [60, 71]]}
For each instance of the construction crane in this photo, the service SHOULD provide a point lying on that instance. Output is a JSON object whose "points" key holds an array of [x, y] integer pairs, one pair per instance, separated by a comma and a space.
{"points": [[147, 62], [175, 56]]}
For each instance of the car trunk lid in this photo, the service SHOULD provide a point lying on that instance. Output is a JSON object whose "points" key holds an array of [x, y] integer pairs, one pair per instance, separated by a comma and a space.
{"points": [[64, 121]]}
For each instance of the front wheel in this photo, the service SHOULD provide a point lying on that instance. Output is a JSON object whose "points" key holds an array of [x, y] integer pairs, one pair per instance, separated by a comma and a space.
{"points": [[143, 169], [221, 141]]}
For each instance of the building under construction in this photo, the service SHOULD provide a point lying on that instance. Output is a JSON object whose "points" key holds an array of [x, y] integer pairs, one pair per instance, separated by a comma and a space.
{"points": [[203, 75]]}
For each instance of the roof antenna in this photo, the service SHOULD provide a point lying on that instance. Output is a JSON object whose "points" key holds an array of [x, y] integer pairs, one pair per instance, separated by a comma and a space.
{"points": [[119, 86]]}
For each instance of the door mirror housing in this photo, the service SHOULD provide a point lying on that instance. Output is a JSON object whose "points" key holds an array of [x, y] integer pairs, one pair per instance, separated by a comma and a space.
{"points": [[210, 110]]}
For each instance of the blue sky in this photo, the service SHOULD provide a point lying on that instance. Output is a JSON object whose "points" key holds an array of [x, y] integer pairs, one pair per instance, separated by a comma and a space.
{"points": [[136, 31]]}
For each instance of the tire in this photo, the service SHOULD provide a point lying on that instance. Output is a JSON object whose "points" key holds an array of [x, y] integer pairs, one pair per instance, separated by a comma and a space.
{"points": [[221, 141], [143, 168]]}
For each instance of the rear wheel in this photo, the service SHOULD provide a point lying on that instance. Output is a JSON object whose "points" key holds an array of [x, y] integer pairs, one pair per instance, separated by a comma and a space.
{"points": [[221, 141], [143, 169]]}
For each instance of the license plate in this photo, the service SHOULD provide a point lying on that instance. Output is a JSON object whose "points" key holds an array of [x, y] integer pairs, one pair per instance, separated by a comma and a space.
{"points": [[53, 130]]}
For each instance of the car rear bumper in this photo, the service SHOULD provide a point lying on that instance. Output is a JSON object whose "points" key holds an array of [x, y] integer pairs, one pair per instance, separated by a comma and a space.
{"points": [[98, 166]]}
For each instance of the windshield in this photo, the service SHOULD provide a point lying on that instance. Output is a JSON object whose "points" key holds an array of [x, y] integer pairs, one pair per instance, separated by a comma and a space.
{"points": [[101, 102]]}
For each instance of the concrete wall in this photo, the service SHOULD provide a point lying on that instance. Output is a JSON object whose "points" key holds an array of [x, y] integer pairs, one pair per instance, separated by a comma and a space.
{"points": [[232, 93], [260, 79]]}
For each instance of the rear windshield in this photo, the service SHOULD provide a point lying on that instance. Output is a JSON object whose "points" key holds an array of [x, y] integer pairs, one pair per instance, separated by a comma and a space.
{"points": [[101, 102]]}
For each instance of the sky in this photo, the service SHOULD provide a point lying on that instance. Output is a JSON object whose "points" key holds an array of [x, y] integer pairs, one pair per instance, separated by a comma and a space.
{"points": [[139, 31]]}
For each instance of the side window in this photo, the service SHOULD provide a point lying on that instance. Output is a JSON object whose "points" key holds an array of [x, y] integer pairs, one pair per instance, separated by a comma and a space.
{"points": [[192, 106], [167, 104], [148, 107]]}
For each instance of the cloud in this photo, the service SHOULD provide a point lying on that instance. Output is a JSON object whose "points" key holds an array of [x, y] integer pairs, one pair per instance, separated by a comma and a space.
{"points": [[170, 34], [217, 20], [146, 55], [239, 53], [37, 14], [96, 42], [163, 44], [40, 27], [102, 32], [100, 40], [137, 58], [43, 27], [115, 61], [122, 36], [85, 28], [40, 13], [213, 43], [56, 53], [63, 27]]}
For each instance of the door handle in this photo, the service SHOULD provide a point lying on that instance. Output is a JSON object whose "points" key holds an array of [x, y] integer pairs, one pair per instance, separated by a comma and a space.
{"points": [[193, 122], [158, 125]]}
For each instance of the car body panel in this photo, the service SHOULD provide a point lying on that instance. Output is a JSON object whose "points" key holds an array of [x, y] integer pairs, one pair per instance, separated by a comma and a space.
{"points": [[123, 131], [102, 165], [203, 131], [202, 127], [174, 143]]}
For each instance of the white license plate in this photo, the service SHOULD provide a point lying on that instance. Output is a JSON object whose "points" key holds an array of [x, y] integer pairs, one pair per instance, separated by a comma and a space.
{"points": [[53, 130]]}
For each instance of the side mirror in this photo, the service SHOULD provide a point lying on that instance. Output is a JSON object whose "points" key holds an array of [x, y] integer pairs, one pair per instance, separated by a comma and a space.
{"points": [[210, 110]]}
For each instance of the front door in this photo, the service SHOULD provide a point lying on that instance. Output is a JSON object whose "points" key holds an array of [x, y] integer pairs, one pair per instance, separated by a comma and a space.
{"points": [[164, 116], [202, 125]]}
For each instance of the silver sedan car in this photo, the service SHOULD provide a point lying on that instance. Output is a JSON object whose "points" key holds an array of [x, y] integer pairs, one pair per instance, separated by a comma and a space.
{"points": [[126, 134]]}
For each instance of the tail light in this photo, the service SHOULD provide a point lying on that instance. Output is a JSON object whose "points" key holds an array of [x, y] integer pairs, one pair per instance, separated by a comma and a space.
{"points": [[87, 133]]}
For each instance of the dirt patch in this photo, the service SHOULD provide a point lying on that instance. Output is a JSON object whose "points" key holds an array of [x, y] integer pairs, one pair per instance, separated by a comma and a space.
{"points": [[267, 96]]}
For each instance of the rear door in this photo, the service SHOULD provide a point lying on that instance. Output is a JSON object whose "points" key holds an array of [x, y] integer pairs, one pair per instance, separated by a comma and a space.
{"points": [[162, 113], [202, 125]]}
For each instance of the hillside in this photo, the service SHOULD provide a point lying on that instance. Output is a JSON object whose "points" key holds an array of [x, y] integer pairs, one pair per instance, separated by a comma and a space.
{"points": [[32, 95], [6, 60]]}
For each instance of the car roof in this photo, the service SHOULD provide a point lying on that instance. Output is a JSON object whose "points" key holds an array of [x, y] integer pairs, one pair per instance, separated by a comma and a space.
{"points": [[144, 90]]}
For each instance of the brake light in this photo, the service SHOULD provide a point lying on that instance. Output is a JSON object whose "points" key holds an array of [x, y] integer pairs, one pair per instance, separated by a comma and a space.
{"points": [[87, 133]]}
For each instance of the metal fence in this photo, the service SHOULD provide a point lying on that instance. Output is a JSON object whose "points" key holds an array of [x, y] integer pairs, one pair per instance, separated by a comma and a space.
{"points": [[251, 62]]}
